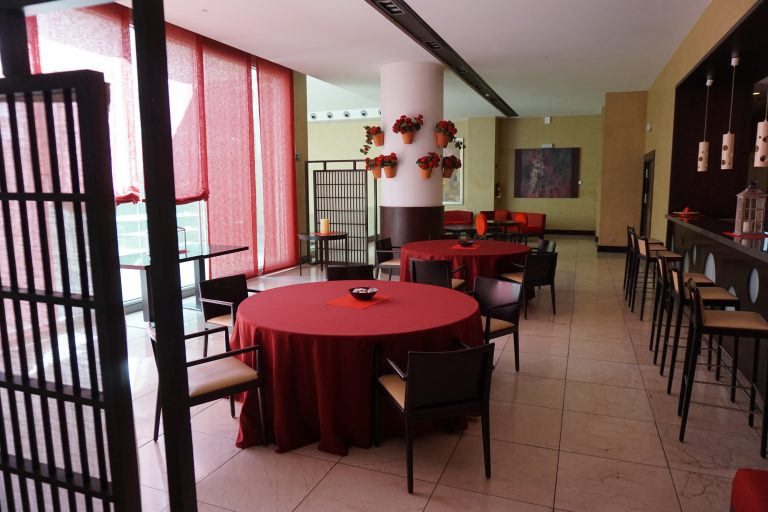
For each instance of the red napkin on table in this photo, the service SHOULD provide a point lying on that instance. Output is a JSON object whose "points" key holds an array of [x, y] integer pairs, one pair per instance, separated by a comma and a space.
{"points": [[349, 301], [470, 248]]}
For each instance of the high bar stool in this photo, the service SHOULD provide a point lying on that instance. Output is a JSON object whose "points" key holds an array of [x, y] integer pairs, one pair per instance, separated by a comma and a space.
{"points": [[647, 253], [680, 296], [745, 324], [630, 255], [661, 298]]}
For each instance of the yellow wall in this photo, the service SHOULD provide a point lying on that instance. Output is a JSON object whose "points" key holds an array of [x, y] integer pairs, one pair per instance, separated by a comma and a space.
{"points": [[719, 17], [583, 132], [622, 176], [479, 163]]}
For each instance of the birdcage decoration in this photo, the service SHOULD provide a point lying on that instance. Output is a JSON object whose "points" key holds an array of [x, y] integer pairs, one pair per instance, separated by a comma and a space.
{"points": [[750, 210]]}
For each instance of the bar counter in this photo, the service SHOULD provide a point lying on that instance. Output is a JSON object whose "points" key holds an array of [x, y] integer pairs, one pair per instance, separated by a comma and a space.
{"points": [[737, 264]]}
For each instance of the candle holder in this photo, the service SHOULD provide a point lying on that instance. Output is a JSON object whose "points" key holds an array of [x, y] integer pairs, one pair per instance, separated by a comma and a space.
{"points": [[750, 211]]}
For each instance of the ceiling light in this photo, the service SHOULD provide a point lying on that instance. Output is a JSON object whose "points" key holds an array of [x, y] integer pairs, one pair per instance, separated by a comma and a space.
{"points": [[704, 145], [756, 93], [433, 45], [726, 158], [329, 115], [761, 144], [390, 7]]}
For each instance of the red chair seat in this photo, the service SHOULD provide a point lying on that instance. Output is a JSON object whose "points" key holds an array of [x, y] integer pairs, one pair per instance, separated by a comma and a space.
{"points": [[749, 491]]}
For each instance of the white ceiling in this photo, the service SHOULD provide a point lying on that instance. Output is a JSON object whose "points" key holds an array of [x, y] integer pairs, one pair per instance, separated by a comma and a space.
{"points": [[543, 57]]}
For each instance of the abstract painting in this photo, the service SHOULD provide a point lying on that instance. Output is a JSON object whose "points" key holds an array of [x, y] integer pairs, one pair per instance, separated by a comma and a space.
{"points": [[547, 172]]}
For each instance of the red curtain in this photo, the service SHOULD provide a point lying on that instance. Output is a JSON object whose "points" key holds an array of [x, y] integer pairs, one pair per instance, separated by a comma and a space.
{"points": [[185, 89], [229, 147], [98, 38], [275, 87]]}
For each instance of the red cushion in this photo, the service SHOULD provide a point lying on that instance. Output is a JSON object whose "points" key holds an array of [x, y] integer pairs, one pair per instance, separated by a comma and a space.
{"points": [[457, 217], [500, 215], [749, 491], [481, 224]]}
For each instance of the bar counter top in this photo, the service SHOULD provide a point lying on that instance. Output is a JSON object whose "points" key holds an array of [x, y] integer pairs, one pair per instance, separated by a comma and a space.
{"points": [[716, 228]]}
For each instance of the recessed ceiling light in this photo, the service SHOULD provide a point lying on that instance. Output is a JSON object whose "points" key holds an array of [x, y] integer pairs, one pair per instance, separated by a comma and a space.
{"points": [[756, 93]]}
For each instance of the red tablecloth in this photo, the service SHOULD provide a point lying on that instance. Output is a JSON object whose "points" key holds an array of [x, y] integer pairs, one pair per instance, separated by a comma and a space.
{"points": [[318, 357], [482, 261]]}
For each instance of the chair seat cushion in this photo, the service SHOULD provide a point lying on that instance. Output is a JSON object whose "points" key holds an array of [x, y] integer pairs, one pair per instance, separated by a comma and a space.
{"points": [[225, 320], [513, 276], [455, 283], [653, 241], [698, 279], [666, 254], [395, 386], [497, 324], [394, 262], [749, 491], [222, 373], [734, 320], [715, 294]]}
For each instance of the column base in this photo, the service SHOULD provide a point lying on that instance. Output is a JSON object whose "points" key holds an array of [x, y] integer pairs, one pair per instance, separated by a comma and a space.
{"points": [[405, 224]]}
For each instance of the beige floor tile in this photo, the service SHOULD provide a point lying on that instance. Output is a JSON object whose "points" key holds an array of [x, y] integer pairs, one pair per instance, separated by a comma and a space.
{"points": [[593, 484], [542, 328], [607, 400], [449, 499], [603, 372], [430, 455], [543, 345], [612, 438], [524, 424], [616, 352], [153, 500], [611, 319], [205, 507], [217, 420], [311, 450], [537, 365], [258, 479], [519, 472], [526, 389], [699, 416], [711, 452], [698, 492], [597, 333], [359, 489]]}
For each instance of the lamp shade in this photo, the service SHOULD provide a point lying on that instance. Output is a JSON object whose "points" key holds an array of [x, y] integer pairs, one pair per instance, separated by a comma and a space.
{"points": [[703, 156], [761, 145], [726, 160]]}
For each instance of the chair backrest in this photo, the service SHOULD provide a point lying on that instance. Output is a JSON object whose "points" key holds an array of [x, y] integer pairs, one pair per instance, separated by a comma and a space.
{"points": [[435, 272], [455, 380], [344, 272], [643, 246], [521, 219], [383, 244], [481, 224], [490, 292], [540, 268], [697, 306], [457, 217], [500, 215], [546, 246], [632, 240], [229, 289]]}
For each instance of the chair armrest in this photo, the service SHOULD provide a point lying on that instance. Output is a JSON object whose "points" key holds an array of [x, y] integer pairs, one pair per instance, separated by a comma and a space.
{"points": [[403, 375], [216, 301], [517, 265], [387, 251], [499, 306], [224, 355], [205, 332], [458, 269]]}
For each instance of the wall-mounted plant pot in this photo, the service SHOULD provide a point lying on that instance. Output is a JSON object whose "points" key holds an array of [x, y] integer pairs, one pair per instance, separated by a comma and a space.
{"points": [[426, 173], [442, 139], [376, 172], [378, 139], [407, 137], [447, 172], [390, 171]]}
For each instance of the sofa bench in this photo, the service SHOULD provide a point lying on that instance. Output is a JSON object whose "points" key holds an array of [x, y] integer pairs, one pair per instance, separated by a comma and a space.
{"points": [[531, 224]]}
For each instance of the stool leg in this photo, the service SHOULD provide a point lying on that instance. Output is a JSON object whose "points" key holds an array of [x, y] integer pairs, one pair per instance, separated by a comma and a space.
{"points": [[719, 356], [733, 369], [685, 397], [675, 344], [753, 383], [656, 301], [670, 310], [665, 298], [709, 355], [645, 287], [691, 355]]}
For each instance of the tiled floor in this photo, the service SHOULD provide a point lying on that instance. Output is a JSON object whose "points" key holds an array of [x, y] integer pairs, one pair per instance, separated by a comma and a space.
{"points": [[585, 426]]}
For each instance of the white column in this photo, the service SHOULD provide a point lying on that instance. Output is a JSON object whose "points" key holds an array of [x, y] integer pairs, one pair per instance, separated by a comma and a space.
{"points": [[411, 88]]}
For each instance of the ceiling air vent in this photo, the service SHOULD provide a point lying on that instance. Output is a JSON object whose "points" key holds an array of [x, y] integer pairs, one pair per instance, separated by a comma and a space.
{"points": [[390, 7], [433, 45], [461, 69]]}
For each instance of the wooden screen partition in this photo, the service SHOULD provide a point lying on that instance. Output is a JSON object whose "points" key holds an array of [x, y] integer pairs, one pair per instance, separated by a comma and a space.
{"points": [[343, 192], [67, 440]]}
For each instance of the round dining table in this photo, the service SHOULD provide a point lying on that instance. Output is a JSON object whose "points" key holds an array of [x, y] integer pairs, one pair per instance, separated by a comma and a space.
{"points": [[485, 258], [318, 348]]}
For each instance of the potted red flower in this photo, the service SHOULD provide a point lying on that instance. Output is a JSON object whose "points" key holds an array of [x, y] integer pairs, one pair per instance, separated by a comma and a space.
{"points": [[406, 126], [450, 163], [373, 165], [445, 131], [388, 164], [427, 163], [373, 135]]}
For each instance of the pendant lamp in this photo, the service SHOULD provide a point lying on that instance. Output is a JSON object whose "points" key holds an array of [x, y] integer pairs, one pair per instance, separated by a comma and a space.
{"points": [[704, 145], [761, 144], [726, 159]]}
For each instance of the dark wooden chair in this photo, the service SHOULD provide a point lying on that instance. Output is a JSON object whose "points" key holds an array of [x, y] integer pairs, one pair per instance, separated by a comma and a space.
{"points": [[436, 272], [387, 257], [348, 272], [500, 303], [539, 270], [219, 376], [440, 385], [545, 246], [220, 298]]}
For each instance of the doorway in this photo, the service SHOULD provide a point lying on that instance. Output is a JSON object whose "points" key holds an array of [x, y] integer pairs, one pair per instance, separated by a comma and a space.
{"points": [[647, 197]]}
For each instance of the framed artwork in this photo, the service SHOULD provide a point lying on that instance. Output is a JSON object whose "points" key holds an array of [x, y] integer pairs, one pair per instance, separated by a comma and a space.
{"points": [[547, 172], [453, 187]]}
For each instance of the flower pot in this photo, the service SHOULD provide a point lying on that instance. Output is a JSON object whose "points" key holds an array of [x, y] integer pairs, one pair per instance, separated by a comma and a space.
{"points": [[442, 139], [376, 172], [378, 139], [426, 173], [447, 172], [390, 171], [407, 137]]}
